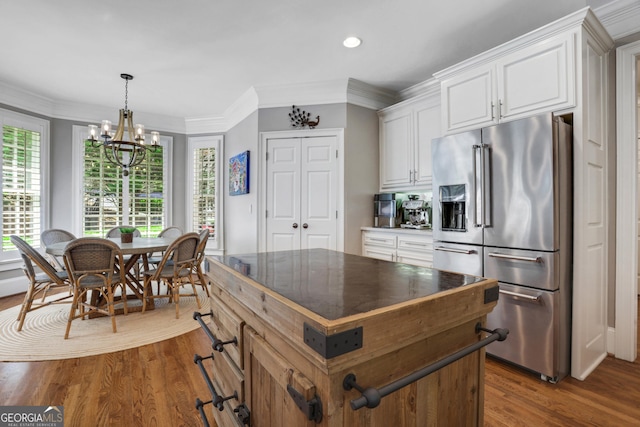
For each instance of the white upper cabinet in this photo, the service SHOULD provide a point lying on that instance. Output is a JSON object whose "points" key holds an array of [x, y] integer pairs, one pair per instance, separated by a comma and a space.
{"points": [[468, 99], [537, 79], [521, 81], [396, 156], [406, 131]]}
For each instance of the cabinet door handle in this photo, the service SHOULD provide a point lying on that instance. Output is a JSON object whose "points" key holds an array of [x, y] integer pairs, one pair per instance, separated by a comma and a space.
{"points": [[500, 109], [493, 116], [305, 225], [295, 225], [422, 245]]}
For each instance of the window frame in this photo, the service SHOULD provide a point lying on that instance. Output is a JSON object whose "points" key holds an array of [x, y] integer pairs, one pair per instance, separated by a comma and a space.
{"points": [[215, 246], [80, 134], [10, 260]]}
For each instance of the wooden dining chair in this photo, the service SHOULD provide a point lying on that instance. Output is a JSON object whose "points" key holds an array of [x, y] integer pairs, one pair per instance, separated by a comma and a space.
{"points": [[39, 283], [172, 232], [95, 266], [56, 235], [197, 273], [176, 264]]}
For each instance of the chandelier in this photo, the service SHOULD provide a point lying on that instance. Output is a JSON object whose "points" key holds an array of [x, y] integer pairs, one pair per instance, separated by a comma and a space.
{"points": [[118, 150]]}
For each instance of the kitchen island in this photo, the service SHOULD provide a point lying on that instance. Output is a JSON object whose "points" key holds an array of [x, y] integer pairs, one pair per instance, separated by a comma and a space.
{"points": [[299, 335]]}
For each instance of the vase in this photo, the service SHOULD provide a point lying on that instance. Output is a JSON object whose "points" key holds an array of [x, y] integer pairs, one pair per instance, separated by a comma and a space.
{"points": [[126, 237]]}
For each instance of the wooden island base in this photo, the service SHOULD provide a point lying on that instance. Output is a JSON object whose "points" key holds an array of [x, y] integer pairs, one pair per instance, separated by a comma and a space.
{"points": [[293, 325]]}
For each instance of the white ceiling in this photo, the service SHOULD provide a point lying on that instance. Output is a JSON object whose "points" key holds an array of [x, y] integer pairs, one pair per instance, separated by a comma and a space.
{"points": [[194, 58]]}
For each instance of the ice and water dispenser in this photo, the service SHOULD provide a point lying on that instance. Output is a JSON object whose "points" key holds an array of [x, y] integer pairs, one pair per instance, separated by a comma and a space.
{"points": [[453, 207]]}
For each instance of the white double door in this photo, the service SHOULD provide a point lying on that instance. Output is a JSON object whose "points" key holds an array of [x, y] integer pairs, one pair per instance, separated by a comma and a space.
{"points": [[301, 193]]}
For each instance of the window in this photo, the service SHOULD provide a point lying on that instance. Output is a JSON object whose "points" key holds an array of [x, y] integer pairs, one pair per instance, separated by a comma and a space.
{"points": [[204, 169], [25, 148], [109, 199]]}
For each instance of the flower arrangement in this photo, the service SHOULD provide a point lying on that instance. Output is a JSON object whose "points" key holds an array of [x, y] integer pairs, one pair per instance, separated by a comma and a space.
{"points": [[127, 230]]}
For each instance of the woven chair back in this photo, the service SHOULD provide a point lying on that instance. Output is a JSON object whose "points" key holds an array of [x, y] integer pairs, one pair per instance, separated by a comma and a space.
{"points": [[202, 245], [31, 255], [171, 232], [55, 235], [182, 253], [91, 258]]}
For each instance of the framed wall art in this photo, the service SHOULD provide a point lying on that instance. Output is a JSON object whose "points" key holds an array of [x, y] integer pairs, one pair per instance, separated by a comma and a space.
{"points": [[239, 174]]}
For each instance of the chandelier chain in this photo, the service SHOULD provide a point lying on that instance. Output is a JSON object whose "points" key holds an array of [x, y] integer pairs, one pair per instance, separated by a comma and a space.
{"points": [[126, 94]]}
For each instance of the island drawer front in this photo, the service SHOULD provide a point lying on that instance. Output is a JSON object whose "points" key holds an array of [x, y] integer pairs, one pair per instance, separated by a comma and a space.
{"points": [[226, 326], [274, 385], [380, 239], [226, 417], [227, 378], [415, 243]]}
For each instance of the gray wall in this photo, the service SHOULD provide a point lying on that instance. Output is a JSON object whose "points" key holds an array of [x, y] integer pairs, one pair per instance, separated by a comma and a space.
{"points": [[361, 169], [61, 166], [240, 212], [361, 173]]}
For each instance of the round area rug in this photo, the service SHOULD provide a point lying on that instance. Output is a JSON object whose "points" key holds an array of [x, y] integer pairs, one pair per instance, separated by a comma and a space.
{"points": [[42, 335]]}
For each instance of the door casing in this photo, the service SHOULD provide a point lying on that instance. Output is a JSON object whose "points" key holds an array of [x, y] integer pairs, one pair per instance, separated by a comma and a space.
{"points": [[262, 173]]}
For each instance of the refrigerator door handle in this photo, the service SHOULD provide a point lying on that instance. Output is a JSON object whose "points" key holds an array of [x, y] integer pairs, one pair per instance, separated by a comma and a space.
{"points": [[457, 251], [486, 188], [476, 192], [516, 258], [523, 296]]}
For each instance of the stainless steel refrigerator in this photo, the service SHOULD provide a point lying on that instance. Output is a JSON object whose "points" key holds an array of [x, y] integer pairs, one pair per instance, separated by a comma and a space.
{"points": [[502, 208]]}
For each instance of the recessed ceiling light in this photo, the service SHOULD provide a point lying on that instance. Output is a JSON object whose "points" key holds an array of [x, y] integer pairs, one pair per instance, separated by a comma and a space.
{"points": [[351, 42]]}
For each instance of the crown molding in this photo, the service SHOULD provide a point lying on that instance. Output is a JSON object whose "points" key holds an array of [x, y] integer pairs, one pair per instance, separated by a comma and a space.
{"points": [[620, 17], [349, 90], [369, 96], [426, 88], [64, 110], [316, 93], [242, 108], [569, 22], [325, 92], [25, 100]]}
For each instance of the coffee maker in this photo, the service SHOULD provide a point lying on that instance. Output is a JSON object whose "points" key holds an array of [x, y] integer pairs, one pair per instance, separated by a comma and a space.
{"points": [[387, 209], [415, 213]]}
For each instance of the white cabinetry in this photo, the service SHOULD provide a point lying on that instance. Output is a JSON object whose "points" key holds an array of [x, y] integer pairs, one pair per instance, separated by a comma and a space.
{"points": [[406, 246], [406, 131], [509, 82]]}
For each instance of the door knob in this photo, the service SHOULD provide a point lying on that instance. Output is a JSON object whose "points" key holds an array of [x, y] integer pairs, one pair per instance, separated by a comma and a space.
{"points": [[305, 225], [295, 225]]}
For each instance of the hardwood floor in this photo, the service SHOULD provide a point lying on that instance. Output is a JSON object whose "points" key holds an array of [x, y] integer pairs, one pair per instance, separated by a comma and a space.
{"points": [[152, 385], [156, 385]]}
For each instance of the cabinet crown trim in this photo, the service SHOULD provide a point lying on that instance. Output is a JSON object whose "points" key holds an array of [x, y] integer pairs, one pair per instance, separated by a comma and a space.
{"points": [[571, 22]]}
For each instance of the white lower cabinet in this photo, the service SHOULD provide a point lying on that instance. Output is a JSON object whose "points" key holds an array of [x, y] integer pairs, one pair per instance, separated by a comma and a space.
{"points": [[406, 246]]}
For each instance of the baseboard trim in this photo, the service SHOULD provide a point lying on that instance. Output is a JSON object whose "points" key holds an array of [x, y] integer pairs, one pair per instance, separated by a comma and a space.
{"points": [[611, 341], [12, 286]]}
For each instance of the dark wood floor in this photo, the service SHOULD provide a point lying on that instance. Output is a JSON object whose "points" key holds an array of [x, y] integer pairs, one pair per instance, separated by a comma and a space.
{"points": [[156, 385]]}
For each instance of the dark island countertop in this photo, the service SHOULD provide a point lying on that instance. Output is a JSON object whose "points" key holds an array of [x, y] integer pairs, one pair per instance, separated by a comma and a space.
{"points": [[298, 324], [336, 285]]}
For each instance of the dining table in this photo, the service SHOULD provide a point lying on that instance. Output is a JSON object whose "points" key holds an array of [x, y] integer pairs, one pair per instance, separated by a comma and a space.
{"points": [[138, 249]]}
